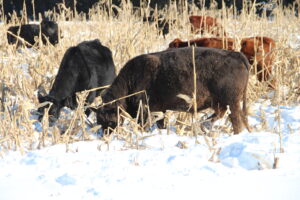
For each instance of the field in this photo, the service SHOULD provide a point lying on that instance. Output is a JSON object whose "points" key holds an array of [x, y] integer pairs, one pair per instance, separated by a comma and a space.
{"points": [[72, 160]]}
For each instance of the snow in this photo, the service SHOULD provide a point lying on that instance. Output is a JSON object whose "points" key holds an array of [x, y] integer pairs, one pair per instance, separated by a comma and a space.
{"points": [[165, 166]]}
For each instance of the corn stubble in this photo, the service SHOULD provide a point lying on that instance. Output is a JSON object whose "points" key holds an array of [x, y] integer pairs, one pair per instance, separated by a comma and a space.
{"points": [[23, 70]]}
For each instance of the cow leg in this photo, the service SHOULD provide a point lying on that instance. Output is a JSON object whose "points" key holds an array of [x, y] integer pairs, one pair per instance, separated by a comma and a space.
{"points": [[245, 120], [267, 72], [267, 76], [260, 73], [219, 112], [264, 73], [90, 98], [87, 112], [235, 117], [161, 124]]}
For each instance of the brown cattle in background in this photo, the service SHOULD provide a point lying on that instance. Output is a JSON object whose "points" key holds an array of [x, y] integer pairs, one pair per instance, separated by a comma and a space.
{"points": [[206, 24], [218, 43], [257, 50]]}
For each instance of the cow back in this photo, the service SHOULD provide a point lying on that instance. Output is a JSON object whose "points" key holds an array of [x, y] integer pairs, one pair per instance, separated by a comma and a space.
{"points": [[26, 32], [99, 62], [219, 43], [165, 74]]}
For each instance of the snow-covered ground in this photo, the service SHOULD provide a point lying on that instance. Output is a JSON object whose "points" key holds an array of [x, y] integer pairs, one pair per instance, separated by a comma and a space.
{"points": [[166, 166]]}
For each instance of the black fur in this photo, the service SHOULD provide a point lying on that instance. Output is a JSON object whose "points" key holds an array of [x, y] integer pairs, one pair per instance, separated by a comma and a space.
{"points": [[85, 66], [49, 31]]}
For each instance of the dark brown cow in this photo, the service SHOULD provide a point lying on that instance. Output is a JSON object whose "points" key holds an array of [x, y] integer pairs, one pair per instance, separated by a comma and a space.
{"points": [[206, 24], [257, 49], [166, 76]]}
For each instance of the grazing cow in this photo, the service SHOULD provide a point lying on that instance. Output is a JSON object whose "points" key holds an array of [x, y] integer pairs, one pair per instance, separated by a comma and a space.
{"points": [[85, 66], [257, 49], [206, 24], [167, 76], [49, 31]]}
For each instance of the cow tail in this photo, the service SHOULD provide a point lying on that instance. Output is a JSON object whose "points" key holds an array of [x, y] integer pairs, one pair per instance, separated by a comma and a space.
{"points": [[246, 62], [245, 112], [243, 58]]}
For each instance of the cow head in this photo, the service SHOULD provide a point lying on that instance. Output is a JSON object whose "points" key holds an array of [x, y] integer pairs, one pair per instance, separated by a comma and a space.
{"points": [[248, 49], [107, 117], [54, 109], [50, 30], [175, 43]]}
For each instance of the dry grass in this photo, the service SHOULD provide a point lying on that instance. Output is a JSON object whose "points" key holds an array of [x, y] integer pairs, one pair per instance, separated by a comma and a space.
{"points": [[23, 70]]}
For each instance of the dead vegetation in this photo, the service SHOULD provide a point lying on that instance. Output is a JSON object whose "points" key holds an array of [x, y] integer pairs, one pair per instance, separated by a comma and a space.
{"points": [[23, 70]]}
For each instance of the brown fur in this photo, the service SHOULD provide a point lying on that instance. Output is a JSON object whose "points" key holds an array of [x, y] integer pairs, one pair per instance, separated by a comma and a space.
{"points": [[254, 48], [218, 43], [222, 78], [260, 49], [206, 24]]}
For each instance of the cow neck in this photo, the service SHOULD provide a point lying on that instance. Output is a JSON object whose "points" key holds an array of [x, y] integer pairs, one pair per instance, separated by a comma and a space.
{"points": [[117, 90], [53, 95]]}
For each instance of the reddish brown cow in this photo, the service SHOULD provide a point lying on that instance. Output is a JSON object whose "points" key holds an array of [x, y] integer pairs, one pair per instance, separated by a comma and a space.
{"points": [[257, 49], [206, 24], [260, 49], [218, 43]]}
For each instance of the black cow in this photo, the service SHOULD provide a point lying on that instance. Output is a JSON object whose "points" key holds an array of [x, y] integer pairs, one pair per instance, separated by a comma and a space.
{"points": [[85, 66], [48, 29], [167, 76]]}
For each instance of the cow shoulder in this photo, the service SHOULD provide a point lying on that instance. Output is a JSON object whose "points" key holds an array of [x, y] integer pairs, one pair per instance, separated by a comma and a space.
{"points": [[153, 61]]}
